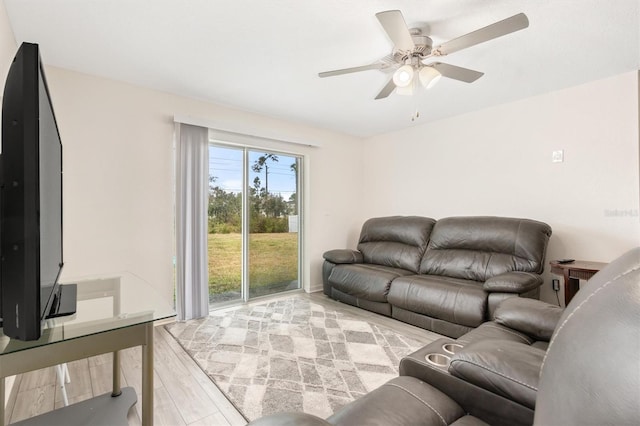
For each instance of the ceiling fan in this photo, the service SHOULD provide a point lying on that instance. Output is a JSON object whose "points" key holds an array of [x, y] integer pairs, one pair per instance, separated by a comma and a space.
{"points": [[413, 50]]}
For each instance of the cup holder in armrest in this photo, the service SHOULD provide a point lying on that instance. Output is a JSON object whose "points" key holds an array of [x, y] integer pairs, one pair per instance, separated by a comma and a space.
{"points": [[438, 360], [451, 348]]}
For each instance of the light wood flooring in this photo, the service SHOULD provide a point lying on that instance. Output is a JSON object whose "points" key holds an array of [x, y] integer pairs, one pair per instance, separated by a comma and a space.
{"points": [[183, 393]]}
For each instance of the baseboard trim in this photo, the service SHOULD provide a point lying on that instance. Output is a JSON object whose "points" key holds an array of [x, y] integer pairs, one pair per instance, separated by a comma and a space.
{"points": [[315, 288]]}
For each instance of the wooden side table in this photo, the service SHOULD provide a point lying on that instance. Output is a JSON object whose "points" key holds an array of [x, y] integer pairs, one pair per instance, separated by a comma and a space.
{"points": [[574, 272]]}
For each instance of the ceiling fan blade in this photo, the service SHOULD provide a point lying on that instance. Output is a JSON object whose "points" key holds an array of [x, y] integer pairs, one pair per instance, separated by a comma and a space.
{"points": [[457, 73], [374, 66], [393, 23], [386, 90], [495, 30]]}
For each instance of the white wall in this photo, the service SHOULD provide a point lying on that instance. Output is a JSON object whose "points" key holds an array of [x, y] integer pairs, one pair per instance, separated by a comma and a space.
{"points": [[118, 174], [498, 162], [118, 160]]}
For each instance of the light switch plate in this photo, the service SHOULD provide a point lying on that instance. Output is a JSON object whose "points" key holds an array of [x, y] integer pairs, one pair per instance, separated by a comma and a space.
{"points": [[557, 156]]}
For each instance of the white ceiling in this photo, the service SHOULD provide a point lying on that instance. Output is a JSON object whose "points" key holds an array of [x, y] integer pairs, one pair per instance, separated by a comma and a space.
{"points": [[264, 56]]}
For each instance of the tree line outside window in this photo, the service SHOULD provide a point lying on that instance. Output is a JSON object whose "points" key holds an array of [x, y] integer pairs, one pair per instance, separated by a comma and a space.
{"points": [[269, 212]]}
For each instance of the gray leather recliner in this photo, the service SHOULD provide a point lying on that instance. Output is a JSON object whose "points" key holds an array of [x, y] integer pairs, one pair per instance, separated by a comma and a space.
{"points": [[590, 373], [494, 369]]}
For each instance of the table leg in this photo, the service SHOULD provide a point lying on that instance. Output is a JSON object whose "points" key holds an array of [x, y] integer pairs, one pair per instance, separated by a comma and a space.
{"points": [[117, 391], [571, 287], [147, 377], [2, 399]]}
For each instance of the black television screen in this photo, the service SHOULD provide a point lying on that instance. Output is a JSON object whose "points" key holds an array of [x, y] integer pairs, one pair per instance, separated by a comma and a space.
{"points": [[31, 201]]}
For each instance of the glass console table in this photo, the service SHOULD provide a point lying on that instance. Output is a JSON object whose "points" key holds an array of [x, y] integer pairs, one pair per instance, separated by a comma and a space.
{"points": [[113, 313]]}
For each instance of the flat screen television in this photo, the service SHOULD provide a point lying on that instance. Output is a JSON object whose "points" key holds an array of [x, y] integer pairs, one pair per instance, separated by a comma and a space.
{"points": [[30, 201]]}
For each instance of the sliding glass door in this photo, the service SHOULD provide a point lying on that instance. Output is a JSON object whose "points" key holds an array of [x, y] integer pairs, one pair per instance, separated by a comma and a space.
{"points": [[254, 239], [225, 256], [273, 223]]}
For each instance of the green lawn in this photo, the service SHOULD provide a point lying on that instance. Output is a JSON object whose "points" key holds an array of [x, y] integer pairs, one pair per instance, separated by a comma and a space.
{"points": [[273, 258]]}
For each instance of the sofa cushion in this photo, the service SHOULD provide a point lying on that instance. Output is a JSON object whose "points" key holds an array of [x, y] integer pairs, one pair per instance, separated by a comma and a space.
{"points": [[493, 331], [467, 420], [506, 368], [396, 241], [364, 281], [513, 282], [533, 317], [478, 248], [459, 301], [343, 256]]}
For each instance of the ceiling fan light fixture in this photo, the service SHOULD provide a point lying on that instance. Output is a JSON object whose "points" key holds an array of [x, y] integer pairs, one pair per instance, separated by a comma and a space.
{"points": [[413, 53], [429, 76], [403, 77]]}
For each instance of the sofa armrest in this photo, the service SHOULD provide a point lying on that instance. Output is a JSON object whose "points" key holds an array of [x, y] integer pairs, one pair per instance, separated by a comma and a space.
{"points": [[513, 282], [532, 317], [509, 369], [290, 419], [343, 256]]}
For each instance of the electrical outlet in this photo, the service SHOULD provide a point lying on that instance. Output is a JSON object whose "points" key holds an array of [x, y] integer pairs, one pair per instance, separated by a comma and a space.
{"points": [[555, 284]]}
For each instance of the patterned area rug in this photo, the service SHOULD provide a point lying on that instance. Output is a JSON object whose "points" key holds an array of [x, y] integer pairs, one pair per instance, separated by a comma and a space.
{"points": [[292, 355]]}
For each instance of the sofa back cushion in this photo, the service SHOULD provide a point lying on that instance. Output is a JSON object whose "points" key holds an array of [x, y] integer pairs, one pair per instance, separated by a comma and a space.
{"points": [[478, 248], [396, 241]]}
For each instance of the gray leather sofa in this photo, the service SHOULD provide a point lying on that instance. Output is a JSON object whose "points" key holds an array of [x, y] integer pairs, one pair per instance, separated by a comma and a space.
{"points": [[590, 374], [447, 276]]}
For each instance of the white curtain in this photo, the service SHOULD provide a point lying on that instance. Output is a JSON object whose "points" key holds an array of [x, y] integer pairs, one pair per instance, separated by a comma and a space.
{"points": [[192, 173]]}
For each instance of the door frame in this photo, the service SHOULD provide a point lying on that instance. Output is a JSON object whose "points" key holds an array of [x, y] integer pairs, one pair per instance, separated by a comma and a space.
{"points": [[301, 161]]}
